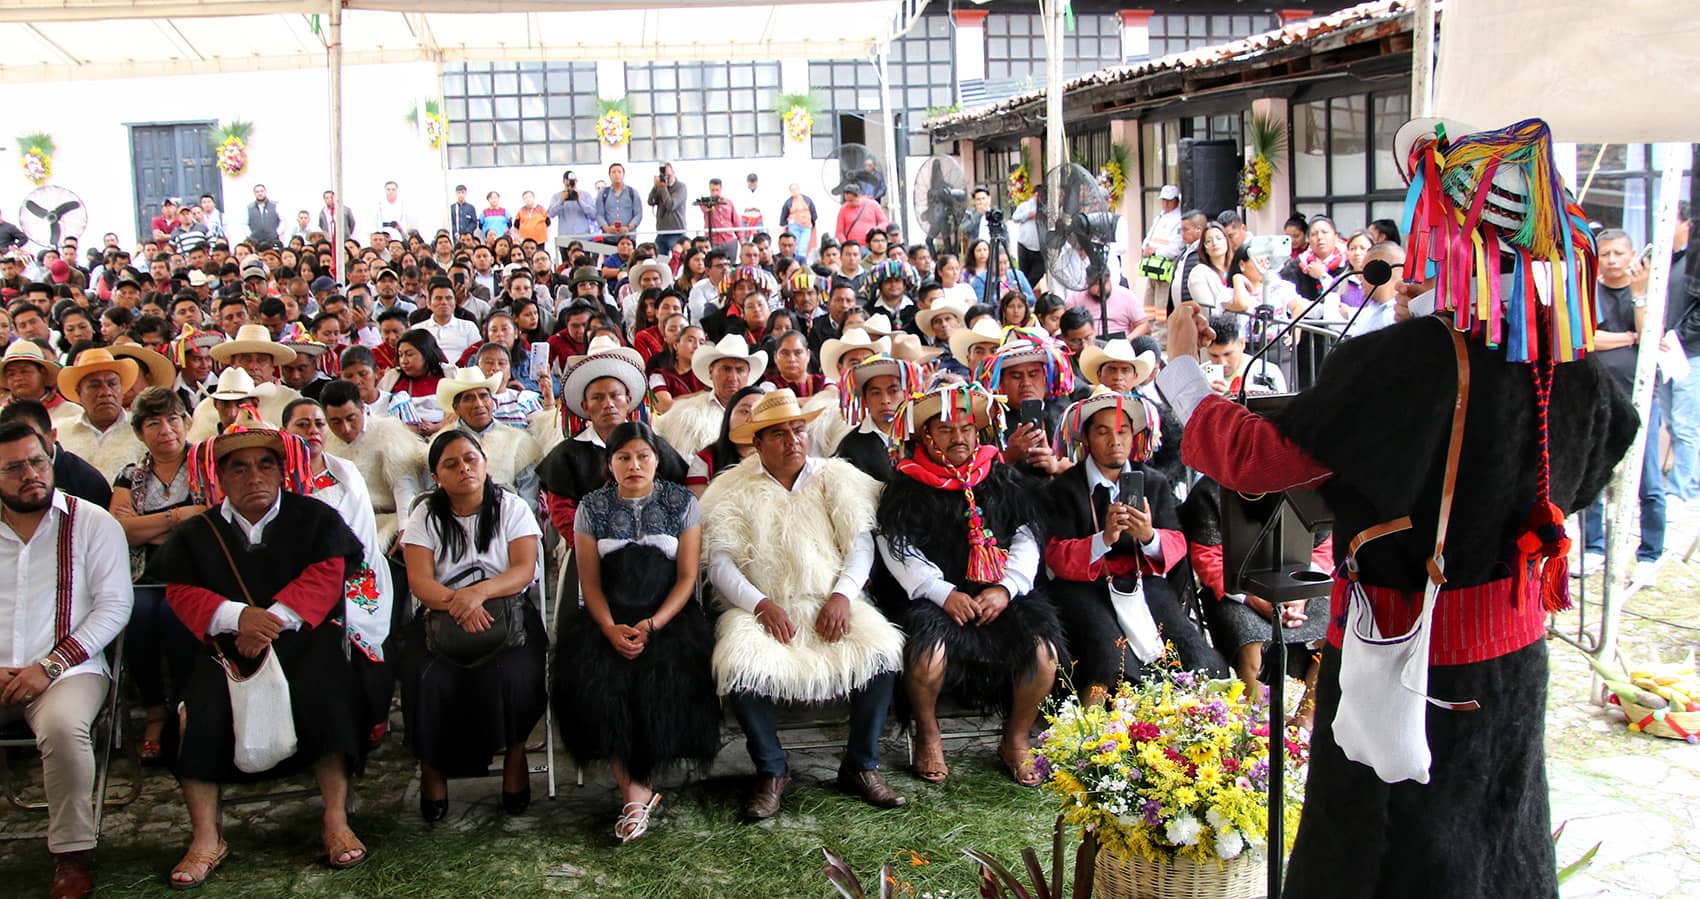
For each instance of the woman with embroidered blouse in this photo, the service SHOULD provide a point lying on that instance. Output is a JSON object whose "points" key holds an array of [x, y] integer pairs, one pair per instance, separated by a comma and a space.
{"points": [[633, 683]]}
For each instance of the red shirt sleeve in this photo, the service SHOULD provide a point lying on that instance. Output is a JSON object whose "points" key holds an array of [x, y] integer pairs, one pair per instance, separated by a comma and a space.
{"points": [[561, 511], [1207, 564], [1323, 556], [315, 592], [1244, 451], [194, 606], [1071, 560], [1172, 544]]}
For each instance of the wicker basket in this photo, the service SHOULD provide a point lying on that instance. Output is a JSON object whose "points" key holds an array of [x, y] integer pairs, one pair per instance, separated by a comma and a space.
{"points": [[1140, 878], [1671, 725]]}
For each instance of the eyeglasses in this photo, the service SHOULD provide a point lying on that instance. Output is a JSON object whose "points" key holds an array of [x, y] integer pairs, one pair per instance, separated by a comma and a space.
{"points": [[37, 464]]}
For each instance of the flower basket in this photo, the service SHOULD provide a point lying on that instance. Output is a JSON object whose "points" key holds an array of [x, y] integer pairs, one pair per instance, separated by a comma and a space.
{"points": [[36, 157], [797, 113], [230, 147], [613, 123], [1137, 877]]}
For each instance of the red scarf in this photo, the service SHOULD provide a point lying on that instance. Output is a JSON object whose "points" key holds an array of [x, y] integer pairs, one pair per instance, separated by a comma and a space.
{"points": [[986, 560]]}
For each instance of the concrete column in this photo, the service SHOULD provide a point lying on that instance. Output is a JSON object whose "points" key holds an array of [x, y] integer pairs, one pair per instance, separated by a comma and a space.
{"points": [[1273, 215], [1132, 210], [1136, 33], [1034, 147], [965, 155], [794, 79], [611, 85], [970, 44]]}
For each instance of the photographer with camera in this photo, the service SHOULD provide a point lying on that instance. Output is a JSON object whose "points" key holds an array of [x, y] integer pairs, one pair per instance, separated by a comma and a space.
{"points": [[670, 199], [572, 210], [718, 215]]}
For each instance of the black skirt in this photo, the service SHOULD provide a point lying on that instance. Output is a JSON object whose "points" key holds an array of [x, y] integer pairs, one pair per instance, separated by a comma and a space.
{"points": [[324, 698], [1101, 656], [1480, 829], [1235, 624], [457, 718], [984, 662], [646, 713]]}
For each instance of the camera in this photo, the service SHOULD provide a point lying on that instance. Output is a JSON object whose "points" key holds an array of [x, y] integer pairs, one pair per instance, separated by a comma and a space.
{"points": [[994, 217]]}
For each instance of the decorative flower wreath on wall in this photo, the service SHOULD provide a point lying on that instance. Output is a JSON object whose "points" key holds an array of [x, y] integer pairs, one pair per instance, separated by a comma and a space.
{"points": [[797, 113], [1021, 181], [613, 122], [230, 144], [1113, 177], [36, 157], [1266, 146], [436, 127]]}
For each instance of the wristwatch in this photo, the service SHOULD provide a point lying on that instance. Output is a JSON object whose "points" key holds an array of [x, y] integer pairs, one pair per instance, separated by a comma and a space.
{"points": [[52, 667]]}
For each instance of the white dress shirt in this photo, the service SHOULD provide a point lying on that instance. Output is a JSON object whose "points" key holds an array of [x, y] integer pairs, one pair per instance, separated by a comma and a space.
{"points": [[100, 587], [736, 589], [229, 614], [921, 579], [453, 337]]}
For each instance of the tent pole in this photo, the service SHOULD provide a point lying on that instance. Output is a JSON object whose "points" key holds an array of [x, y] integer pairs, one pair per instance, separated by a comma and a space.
{"points": [[1422, 61], [1056, 144], [1624, 517], [893, 185], [334, 73]]}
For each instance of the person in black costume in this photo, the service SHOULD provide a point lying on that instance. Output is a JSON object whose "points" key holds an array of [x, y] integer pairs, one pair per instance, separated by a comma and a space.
{"points": [[633, 684], [1108, 555], [958, 531], [877, 385], [1438, 800]]}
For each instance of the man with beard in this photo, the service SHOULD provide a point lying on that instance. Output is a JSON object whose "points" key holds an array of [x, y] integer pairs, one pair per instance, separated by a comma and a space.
{"points": [[69, 597], [958, 531]]}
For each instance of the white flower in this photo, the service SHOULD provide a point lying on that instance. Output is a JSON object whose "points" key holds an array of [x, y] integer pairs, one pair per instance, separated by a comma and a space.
{"points": [[1229, 844], [1215, 818], [1184, 830]]}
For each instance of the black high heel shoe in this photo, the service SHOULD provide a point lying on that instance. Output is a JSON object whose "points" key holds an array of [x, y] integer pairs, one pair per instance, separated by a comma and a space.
{"points": [[433, 810], [516, 803]]}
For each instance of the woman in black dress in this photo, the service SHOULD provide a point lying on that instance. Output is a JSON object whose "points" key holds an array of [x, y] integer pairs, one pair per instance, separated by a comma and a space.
{"points": [[470, 541], [633, 684]]}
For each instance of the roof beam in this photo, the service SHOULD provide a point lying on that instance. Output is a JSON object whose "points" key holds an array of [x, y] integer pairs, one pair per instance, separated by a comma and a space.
{"points": [[69, 57], [100, 10]]}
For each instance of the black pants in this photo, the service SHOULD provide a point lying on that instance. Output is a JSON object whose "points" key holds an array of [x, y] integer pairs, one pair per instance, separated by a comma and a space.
{"points": [[868, 705], [1032, 264]]}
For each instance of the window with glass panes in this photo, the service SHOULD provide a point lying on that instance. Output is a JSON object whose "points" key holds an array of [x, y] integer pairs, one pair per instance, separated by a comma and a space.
{"points": [[1015, 45], [1177, 33], [923, 77], [994, 165], [1621, 194], [524, 113], [1342, 158], [703, 110]]}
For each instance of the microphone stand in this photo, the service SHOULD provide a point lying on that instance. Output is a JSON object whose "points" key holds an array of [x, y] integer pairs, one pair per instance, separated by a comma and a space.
{"points": [[1246, 380]]}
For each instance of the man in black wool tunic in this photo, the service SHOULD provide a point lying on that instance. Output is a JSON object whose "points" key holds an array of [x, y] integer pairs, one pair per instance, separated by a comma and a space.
{"points": [[1428, 772]]}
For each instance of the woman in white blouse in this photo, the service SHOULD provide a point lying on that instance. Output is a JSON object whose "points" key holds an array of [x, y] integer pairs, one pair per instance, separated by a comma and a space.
{"points": [[1207, 283]]}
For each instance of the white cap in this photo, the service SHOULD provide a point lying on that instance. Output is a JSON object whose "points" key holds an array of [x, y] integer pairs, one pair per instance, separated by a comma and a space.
{"points": [[1169, 192]]}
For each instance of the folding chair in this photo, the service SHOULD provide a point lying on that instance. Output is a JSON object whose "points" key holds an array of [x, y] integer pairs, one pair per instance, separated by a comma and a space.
{"points": [[106, 734]]}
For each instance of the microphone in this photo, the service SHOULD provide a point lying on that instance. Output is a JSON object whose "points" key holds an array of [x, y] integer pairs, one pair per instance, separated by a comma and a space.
{"points": [[1376, 272]]}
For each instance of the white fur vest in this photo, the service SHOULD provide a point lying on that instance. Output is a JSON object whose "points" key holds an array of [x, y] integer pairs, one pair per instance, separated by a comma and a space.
{"points": [[692, 423]]}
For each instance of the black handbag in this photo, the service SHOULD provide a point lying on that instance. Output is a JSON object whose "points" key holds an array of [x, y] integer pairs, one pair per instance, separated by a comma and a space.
{"points": [[446, 638]]}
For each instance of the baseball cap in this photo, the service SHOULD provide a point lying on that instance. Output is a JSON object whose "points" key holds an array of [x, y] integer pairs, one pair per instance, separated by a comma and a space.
{"points": [[385, 271], [322, 283], [60, 270], [1169, 192]]}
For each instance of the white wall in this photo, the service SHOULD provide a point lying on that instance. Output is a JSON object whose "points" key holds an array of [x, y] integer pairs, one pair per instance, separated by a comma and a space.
{"points": [[289, 151]]}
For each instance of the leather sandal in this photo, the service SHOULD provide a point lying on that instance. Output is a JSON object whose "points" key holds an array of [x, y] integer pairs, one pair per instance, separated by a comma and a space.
{"points": [[206, 862], [929, 760], [1021, 770], [342, 843]]}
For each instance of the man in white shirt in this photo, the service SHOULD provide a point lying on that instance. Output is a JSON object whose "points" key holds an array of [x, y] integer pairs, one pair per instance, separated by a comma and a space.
{"points": [[102, 435], [392, 215], [789, 545], [67, 597], [453, 334], [1164, 237], [1028, 255]]}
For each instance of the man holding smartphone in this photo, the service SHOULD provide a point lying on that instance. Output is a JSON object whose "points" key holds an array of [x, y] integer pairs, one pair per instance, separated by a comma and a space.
{"points": [[1032, 371]]}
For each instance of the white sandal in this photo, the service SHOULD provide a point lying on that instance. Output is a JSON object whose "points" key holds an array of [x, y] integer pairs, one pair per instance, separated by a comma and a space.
{"points": [[634, 819]]}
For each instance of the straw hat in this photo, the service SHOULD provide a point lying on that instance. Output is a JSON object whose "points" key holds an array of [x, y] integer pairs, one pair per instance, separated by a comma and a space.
{"points": [[234, 384], [906, 372], [776, 408], [464, 379], [1507, 203], [94, 360], [302, 345], [158, 369], [877, 325], [1140, 412], [252, 339], [854, 339], [951, 401], [909, 348], [924, 318], [985, 330], [246, 432], [31, 352], [1119, 350], [606, 359], [732, 346]]}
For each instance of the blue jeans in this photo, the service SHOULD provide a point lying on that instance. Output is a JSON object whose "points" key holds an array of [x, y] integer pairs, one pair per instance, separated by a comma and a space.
{"points": [[868, 705], [664, 245], [1652, 503], [1680, 405]]}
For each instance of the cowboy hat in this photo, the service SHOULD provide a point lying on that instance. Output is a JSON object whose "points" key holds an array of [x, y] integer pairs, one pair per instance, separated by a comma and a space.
{"points": [[1119, 350], [877, 325], [854, 339], [924, 318], [950, 400], [302, 345], [1140, 412], [909, 348], [464, 379], [907, 373], [775, 408], [98, 359], [158, 369], [635, 275], [247, 432], [985, 330], [252, 339], [732, 346], [234, 384], [31, 352], [606, 359]]}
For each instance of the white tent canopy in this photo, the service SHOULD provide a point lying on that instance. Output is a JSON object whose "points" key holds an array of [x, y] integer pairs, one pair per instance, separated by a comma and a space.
{"points": [[55, 40]]}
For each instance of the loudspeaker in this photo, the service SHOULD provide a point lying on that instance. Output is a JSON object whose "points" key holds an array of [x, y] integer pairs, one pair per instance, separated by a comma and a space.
{"points": [[1210, 175]]}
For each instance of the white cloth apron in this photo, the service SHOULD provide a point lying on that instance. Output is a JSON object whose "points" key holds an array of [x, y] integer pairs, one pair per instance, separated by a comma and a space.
{"points": [[1133, 616]]}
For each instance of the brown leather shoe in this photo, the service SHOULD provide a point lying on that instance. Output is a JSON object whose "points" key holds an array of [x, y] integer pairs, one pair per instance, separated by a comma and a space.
{"points": [[870, 787], [71, 878], [764, 802]]}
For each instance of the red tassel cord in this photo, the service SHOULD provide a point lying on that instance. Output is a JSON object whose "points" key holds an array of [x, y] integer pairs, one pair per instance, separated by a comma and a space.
{"points": [[1543, 547]]}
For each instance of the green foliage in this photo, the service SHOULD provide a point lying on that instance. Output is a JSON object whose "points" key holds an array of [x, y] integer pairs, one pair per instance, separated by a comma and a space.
{"points": [[783, 104], [1268, 138], [236, 128], [39, 140]]}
